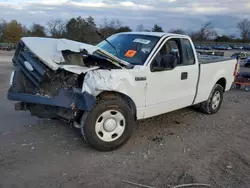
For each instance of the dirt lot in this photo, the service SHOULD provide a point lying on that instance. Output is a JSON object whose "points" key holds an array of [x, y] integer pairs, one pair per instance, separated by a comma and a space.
{"points": [[180, 147]]}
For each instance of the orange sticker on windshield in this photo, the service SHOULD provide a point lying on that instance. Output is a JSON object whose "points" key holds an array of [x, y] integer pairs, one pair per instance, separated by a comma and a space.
{"points": [[130, 53]]}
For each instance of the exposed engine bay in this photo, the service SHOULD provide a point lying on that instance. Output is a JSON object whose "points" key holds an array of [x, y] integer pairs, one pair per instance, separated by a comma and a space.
{"points": [[53, 88]]}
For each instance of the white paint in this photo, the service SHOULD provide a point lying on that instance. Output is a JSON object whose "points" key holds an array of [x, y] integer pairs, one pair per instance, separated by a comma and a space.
{"points": [[45, 49], [167, 92], [119, 80], [160, 93], [49, 50], [210, 74], [78, 69], [164, 91], [65, 44], [156, 34]]}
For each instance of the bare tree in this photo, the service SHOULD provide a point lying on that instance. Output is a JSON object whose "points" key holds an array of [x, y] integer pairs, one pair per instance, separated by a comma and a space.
{"points": [[25, 31], [56, 28], [177, 31], [115, 24], [244, 27], [110, 27], [194, 35], [206, 32]]}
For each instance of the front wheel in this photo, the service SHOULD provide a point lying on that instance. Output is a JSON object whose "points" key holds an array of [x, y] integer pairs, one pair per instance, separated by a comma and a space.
{"points": [[213, 104], [108, 126]]}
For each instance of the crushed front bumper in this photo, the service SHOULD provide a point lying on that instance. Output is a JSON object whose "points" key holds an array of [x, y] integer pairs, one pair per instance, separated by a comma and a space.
{"points": [[67, 98]]}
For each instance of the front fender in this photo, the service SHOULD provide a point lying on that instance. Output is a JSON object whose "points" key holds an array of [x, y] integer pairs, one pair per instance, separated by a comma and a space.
{"points": [[122, 81]]}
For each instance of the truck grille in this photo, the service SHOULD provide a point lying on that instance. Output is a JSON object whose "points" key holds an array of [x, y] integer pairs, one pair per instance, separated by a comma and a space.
{"points": [[26, 62]]}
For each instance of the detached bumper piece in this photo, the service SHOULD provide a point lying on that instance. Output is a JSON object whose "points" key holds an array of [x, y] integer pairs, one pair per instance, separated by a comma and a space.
{"points": [[67, 98]]}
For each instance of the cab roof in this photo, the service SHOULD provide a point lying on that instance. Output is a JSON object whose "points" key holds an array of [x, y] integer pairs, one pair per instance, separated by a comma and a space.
{"points": [[157, 34]]}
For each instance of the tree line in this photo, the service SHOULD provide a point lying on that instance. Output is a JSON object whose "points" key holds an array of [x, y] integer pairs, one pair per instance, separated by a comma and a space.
{"points": [[84, 30]]}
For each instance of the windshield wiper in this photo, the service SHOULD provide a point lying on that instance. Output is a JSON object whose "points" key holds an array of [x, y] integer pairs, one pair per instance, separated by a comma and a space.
{"points": [[104, 38]]}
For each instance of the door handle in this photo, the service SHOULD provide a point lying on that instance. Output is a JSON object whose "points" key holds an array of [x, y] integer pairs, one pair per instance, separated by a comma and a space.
{"points": [[184, 75]]}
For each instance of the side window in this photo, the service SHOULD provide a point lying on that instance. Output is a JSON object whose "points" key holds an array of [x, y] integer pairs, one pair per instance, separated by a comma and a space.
{"points": [[174, 46], [188, 53], [171, 47]]}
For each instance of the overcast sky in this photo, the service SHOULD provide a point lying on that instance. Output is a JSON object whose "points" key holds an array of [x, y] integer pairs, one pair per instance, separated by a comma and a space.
{"points": [[185, 14]]}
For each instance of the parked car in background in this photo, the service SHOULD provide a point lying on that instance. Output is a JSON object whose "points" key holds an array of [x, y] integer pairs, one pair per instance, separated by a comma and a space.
{"points": [[220, 47], [235, 47], [200, 47], [242, 55], [197, 47], [207, 48], [247, 47], [247, 62]]}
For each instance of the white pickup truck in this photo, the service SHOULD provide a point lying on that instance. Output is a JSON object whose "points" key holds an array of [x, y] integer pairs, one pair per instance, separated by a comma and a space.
{"points": [[104, 89]]}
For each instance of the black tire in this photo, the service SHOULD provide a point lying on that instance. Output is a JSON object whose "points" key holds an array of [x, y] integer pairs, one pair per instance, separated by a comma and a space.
{"points": [[89, 119], [207, 106]]}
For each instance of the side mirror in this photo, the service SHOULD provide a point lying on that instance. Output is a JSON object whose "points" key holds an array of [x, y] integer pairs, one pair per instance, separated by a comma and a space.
{"points": [[169, 61]]}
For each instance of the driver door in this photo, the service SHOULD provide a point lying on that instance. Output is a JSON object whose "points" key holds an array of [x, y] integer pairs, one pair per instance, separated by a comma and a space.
{"points": [[174, 88]]}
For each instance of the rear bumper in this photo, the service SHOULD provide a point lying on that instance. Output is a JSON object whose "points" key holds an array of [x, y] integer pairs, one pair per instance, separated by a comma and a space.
{"points": [[67, 98]]}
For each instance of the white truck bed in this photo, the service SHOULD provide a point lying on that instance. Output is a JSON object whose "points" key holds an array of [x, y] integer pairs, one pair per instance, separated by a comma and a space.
{"points": [[204, 59], [211, 70]]}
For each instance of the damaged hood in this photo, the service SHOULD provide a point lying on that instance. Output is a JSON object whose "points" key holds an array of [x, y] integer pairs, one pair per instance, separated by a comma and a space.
{"points": [[49, 50]]}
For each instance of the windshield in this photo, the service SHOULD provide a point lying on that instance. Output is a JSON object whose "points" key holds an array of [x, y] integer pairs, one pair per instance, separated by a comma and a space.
{"points": [[133, 48]]}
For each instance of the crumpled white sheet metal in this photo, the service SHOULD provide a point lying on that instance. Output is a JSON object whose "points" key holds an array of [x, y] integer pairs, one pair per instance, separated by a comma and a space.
{"points": [[78, 69], [45, 49], [97, 81], [65, 44], [49, 50]]}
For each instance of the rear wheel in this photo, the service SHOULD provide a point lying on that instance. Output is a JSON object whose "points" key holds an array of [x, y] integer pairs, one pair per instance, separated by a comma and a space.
{"points": [[213, 104], [108, 126]]}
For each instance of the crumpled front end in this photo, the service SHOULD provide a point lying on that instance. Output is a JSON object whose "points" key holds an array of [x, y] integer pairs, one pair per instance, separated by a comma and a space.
{"points": [[44, 92], [63, 78]]}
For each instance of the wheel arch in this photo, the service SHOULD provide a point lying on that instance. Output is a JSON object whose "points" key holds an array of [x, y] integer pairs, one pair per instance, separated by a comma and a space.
{"points": [[114, 95], [223, 82]]}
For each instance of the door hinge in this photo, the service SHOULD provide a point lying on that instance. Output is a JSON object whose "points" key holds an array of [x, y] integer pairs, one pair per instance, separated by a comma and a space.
{"points": [[143, 78]]}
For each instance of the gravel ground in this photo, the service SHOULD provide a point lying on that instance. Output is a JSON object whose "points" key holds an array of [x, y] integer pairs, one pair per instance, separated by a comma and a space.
{"points": [[184, 146]]}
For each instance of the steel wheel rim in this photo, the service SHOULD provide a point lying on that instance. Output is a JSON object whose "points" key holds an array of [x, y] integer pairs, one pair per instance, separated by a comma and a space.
{"points": [[110, 125], [216, 100]]}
